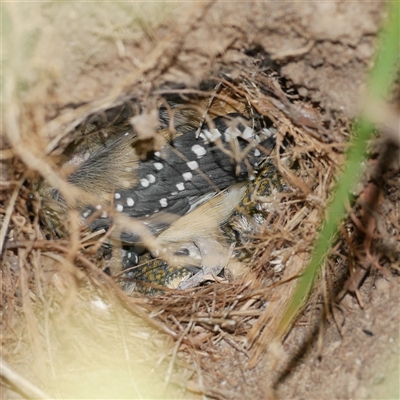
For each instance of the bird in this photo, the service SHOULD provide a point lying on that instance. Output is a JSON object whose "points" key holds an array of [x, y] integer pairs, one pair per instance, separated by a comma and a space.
{"points": [[188, 178], [210, 240]]}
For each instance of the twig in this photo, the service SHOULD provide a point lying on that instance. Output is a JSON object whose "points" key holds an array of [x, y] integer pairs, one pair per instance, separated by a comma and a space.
{"points": [[10, 208], [22, 385], [174, 354]]}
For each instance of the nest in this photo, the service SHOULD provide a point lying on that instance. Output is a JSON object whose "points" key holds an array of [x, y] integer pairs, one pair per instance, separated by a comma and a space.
{"points": [[243, 313], [63, 318]]}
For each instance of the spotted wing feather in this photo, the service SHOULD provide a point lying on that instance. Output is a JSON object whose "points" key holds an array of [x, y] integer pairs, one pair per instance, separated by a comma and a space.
{"points": [[186, 169]]}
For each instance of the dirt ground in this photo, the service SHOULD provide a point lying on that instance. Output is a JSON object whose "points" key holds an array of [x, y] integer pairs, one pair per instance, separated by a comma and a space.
{"points": [[323, 51], [362, 362], [358, 362]]}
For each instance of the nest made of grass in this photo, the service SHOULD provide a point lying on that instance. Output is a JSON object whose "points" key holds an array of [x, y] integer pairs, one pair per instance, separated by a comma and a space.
{"points": [[58, 289], [62, 318]]}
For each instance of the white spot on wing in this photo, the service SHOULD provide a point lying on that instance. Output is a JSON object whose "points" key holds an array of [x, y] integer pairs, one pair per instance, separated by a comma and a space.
{"points": [[216, 134], [144, 182], [257, 153], [192, 165], [231, 132], [203, 136], [157, 154], [187, 176], [200, 151], [163, 202], [151, 178], [269, 132], [248, 133], [117, 196], [210, 136], [180, 186], [130, 202], [158, 166], [119, 207]]}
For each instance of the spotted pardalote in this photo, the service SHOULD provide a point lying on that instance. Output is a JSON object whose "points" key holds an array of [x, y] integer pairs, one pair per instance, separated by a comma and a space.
{"points": [[184, 181]]}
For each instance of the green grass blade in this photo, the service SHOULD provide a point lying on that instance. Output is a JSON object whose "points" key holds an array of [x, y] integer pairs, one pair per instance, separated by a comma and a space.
{"points": [[380, 80]]}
